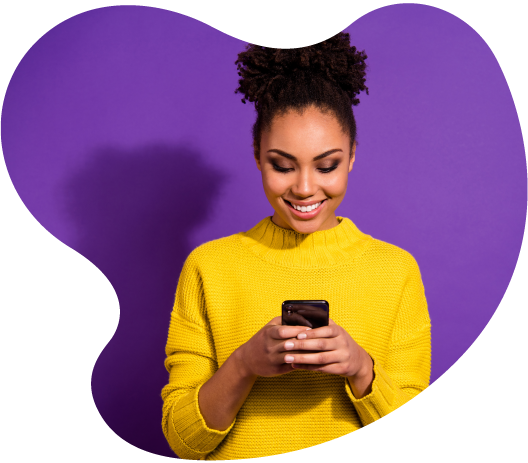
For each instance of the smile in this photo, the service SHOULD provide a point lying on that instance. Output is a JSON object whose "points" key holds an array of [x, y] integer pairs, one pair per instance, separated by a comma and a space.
{"points": [[305, 211], [306, 208]]}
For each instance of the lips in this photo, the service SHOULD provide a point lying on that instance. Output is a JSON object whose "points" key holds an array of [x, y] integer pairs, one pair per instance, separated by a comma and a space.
{"points": [[305, 204], [306, 215]]}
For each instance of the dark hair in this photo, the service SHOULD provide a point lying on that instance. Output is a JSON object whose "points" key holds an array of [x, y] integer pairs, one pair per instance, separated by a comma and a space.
{"points": [[327, 75]]}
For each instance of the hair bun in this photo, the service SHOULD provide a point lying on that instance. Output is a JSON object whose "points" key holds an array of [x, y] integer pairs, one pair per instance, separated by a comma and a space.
{"points": [[262, 68]]}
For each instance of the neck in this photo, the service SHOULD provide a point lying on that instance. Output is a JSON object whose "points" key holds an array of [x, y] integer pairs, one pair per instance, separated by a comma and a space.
{"points": [[305, 226], [290, 248]]}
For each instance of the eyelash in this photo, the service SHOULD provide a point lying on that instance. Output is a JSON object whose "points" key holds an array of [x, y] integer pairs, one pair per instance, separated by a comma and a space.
{"points": [[323, 171]]}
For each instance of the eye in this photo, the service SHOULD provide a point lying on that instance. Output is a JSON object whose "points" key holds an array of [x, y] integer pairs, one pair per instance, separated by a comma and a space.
{"points": [[326, 170], [323, 170], [279, 168]]}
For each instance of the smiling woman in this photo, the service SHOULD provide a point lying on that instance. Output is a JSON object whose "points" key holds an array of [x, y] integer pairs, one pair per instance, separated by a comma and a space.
{"points": [[243, 385], [305, 161]]}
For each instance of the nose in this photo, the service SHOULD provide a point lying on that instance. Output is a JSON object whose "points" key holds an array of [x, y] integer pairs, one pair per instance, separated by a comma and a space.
{"points": [[304, 185]]}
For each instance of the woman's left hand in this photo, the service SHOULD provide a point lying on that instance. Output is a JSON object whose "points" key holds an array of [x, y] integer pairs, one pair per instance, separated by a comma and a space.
{"points": [[332, 351]]}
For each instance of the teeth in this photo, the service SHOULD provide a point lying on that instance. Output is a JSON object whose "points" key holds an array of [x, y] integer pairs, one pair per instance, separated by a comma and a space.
{"points": [[307, 208]]}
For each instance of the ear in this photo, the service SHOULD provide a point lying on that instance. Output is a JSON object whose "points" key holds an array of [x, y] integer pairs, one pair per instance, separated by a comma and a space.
{"points": [[257, 157], [352, 156]]}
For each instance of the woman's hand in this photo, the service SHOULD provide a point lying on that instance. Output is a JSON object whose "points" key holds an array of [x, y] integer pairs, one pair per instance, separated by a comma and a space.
{"points": [[263, 354], [335, 353], [222, 395]]}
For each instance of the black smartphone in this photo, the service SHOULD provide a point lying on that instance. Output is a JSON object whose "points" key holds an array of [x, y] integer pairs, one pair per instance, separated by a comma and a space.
{"points": [[305, 313]]}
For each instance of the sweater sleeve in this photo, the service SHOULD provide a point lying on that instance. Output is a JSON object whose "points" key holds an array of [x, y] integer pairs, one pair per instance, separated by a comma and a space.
{"points": [[190, 361], [406, 370]]}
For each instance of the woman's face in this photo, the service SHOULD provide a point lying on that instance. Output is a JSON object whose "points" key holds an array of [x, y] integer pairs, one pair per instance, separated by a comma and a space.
{"points": [[305, 160]]}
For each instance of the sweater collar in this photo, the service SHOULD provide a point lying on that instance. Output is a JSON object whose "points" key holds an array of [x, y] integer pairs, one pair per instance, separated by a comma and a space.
{"points": [[289, 248]]}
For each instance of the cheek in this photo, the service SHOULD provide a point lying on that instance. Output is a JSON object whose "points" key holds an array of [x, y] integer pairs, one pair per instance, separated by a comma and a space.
{"points": [[336, 185], [275, 184]]}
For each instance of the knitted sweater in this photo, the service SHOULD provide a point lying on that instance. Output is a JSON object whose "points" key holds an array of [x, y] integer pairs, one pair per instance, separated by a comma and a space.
{"points": [[231, 287]]}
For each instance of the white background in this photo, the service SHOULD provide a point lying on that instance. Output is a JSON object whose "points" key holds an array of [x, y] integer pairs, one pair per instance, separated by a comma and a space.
{"points": [[58, 311]]}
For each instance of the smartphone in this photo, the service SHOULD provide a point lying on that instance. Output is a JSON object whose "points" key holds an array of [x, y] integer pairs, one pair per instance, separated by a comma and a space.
{"points": [[305, 313]]}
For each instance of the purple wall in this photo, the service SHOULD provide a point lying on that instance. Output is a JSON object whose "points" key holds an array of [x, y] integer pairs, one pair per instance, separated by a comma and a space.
{"points": [[124, 138]]}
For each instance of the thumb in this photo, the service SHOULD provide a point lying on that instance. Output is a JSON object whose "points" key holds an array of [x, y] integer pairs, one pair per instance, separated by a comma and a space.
{"points": [[275, 321]]}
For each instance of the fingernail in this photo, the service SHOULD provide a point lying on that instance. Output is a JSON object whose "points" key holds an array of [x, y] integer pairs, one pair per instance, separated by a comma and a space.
{"points": [[288, 359], [301, 336], [289, 345]]}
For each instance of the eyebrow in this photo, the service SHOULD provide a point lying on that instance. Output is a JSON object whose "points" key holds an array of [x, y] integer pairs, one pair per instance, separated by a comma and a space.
{"points": [[293, 158]]}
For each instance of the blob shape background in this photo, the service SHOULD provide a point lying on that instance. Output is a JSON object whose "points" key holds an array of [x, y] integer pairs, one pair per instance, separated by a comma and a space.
{"points": [[123, 137]]}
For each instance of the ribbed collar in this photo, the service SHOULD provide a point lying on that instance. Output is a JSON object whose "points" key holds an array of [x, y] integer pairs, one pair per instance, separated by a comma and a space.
{"points": [[289, 248]]}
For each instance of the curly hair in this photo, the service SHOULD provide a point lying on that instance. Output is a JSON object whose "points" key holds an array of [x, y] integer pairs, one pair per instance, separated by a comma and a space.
{"points": [[328, 75]]}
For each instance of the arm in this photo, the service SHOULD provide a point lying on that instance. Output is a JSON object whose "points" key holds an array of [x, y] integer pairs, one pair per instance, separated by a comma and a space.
{"points": [[225, 392], [405, 371], [376, 389], [191, 361], [201, 400], [404, 374]]}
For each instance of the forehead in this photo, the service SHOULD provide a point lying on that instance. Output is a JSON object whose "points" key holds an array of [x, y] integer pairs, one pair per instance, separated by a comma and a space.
{"points": [[309, 132]]}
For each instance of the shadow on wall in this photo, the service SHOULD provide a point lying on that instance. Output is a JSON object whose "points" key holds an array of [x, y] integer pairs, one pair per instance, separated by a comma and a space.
{"points": [[135, 212]]}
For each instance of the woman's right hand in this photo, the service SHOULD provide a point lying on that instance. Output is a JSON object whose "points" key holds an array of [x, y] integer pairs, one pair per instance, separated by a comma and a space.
{"points": [[222, 395], [263, 354]]}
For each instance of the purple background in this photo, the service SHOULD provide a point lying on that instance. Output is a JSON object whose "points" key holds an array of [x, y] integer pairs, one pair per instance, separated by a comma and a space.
{"points": [[124, 138]]}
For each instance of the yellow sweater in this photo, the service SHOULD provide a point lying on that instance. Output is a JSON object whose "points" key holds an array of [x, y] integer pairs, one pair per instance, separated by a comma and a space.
{"points": [[230, 287]]}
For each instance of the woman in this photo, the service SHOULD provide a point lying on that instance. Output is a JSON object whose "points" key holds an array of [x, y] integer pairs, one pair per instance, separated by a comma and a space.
{"points": [[241, 384]]}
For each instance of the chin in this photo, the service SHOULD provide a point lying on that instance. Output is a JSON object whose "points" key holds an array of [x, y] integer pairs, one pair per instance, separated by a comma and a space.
{"points": [[305, 226]]}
